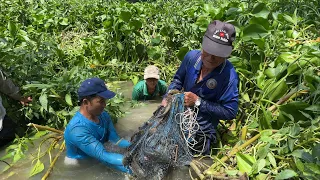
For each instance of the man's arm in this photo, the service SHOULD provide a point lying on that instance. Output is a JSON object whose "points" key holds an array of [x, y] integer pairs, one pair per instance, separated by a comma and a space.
{"points": [[8, 87], [136, 92], [227, 107], [83, 139], [114, 137]]}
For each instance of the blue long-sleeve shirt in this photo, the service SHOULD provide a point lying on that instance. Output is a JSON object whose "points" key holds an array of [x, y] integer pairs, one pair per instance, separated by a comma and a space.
{"points": [[218, 90], [85, 138]]}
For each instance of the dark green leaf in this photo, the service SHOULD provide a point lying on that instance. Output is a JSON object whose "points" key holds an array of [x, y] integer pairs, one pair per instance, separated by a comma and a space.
{"points": [[316, 151], [182, 52], [254, 31], [260, 10], [125, 16], [12, 29], [300, 153], [135, 24]]}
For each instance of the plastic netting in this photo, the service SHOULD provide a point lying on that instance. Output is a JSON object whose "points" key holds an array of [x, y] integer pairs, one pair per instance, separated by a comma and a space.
{"points": [[159, 144]]}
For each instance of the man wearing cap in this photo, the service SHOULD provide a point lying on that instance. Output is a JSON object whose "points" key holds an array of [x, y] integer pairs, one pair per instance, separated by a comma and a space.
{"points": [[151, 87], [210, 82], [91, 126]]}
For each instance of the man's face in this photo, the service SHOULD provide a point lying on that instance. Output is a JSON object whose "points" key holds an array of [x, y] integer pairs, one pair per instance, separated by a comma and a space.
{"points": [[95, 106], [211, 61], [152, 82]]}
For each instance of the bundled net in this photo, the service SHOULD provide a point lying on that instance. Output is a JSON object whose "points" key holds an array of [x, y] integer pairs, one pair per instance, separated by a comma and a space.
{"points": [[161, 143]]}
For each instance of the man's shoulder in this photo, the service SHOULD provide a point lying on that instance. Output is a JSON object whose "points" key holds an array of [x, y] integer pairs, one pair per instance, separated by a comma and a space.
{"points": [[162, 82], [139, 84]]}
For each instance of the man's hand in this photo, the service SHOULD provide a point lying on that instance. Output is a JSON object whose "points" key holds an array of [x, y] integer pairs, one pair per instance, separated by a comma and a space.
{"points": [[190, 98], [25, 100], [164, 102]]}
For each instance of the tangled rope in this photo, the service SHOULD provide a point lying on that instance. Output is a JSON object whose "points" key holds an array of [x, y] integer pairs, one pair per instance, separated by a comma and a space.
{"points": [[190, 127]]}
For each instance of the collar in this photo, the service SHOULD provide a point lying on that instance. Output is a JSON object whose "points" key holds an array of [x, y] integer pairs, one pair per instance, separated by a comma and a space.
{"points": [[219, 69]]}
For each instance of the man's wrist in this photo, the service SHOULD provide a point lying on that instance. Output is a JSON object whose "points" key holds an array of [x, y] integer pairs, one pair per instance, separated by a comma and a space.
{"points": [[198, 101]]}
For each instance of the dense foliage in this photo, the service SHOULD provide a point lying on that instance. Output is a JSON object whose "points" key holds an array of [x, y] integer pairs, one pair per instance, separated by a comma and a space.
{"points": [[49, 47]]}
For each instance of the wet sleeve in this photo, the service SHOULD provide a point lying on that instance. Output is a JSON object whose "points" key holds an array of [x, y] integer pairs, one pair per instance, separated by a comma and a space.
{"points": [[136, 92], [178, 79], [81, 137], [227, 106], [7, 87], [114, 137]]}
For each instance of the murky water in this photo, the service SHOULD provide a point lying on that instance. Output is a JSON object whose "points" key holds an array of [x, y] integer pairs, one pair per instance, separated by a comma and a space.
{"points": [[92, 169]]}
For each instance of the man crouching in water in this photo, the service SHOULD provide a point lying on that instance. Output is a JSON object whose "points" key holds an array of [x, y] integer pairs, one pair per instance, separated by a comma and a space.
{"points": [[91, 126]]}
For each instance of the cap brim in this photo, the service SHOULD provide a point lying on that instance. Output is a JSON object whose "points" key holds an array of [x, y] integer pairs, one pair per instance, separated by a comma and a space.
{"points": [[107, 94], [156, 76], [216, 49]]}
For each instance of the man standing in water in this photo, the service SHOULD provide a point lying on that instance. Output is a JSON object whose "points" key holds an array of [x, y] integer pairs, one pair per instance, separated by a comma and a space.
{"points": [[210, 82], [151, 87], [7, 126], [91, 126]]}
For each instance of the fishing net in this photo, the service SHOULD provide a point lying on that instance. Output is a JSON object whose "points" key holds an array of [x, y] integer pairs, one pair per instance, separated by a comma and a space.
{"points": [[159, 144]]}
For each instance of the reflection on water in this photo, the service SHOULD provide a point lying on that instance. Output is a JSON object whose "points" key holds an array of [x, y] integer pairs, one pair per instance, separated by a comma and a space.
{"points": [[92, 169]]}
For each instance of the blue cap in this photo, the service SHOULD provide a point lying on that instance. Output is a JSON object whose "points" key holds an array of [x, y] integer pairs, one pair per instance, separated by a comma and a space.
{"points": [[95, 86]]}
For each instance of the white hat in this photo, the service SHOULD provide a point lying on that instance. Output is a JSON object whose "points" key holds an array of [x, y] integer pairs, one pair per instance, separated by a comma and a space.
{"points": [[151, 72]]}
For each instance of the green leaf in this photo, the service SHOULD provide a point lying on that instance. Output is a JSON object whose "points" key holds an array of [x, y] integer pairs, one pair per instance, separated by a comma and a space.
{"points": [[316, 151], [300, 153], [258, 166], [119, 46], [277, 90], [260, 10], [44, 101], [39, 86], [272, 160], [286, 174], [245, 96], [245, 162], [254, 31], [294, 130], [232, 172], [262, 152], [141, 50], [125, 16], [262, 176], [68, 99], [40, 134], [38, 167], [64, 22], [12, 29], [299, 164], [291, 143], [314, 168], [135, 24], [155, 41], [182, 52]]}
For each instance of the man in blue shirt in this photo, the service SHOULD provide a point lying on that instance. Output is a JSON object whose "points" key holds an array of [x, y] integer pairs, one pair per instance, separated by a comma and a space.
{"points": [[91, 126], [210, 82]]}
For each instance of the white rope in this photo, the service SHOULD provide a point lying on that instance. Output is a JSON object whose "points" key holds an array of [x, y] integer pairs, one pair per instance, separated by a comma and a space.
{"points": [[189, 126]]}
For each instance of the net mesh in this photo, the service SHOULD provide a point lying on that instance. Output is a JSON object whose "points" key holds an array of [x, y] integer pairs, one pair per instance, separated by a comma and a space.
{"points": [[159, 144]]}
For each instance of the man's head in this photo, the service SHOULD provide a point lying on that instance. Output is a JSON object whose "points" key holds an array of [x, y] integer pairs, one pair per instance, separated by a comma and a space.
{"points": [[217, 42], [93, 94], [151, 75]]}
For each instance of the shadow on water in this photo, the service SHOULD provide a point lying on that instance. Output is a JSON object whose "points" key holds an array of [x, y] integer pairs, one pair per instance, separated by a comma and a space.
{"points": [[92, 169]]}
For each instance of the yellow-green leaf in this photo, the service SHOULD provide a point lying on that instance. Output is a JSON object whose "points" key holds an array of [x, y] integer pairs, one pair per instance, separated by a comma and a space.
{"points": [[38, 167]]}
